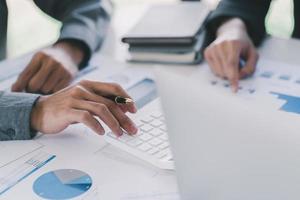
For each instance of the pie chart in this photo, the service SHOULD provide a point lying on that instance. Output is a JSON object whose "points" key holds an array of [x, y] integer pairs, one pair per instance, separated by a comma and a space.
{"points": [[62, 184]]}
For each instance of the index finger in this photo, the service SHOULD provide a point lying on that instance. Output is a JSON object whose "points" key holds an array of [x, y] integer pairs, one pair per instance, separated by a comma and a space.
{"points": [[232, 71], [27, 74], [106, 89]]}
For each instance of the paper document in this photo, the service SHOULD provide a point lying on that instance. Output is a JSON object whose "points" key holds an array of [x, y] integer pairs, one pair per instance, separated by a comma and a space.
{"points": [[23, 170], [13, 150], [12, 68], [274, 84]]}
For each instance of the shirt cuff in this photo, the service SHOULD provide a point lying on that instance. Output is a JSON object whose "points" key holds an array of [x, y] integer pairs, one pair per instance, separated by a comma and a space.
{"points": [[85, 49], [15, 116]]}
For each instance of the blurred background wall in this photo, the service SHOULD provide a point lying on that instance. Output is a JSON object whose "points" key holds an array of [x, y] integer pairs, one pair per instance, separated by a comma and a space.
{"points": [[29, 28]]}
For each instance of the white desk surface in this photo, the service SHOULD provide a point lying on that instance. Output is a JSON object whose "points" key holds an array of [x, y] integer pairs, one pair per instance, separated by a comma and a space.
{"points": [[116, 174]]}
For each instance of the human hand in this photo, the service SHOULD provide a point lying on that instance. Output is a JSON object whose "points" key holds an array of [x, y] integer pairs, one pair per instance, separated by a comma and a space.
{"points": [[83, 103], [50, 70], [231, 45]]}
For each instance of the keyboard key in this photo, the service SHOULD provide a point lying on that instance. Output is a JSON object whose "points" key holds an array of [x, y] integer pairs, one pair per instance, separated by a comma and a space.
{"points": [[139, 133], [146, 128], [163, 128], [145, 137], [164, 136], [144, 147], [156, 123], [155, 142], [135, 142], [139, 123], [156, 114], [162, 153], [164, 145], [126, 138], [147, 119], [156, 132], [168, 157], [111, 134], [162, 118], [153, 151]]}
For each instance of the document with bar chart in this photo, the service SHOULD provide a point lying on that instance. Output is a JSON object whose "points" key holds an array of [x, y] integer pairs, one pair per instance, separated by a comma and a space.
{"points": [[20, 160], [275, 84], [21, 169]]}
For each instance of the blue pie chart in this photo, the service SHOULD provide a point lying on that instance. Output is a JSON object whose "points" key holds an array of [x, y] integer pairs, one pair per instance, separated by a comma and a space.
{"points": [[62, 184]]}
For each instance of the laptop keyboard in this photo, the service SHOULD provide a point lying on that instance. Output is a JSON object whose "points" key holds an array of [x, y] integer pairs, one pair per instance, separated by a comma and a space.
{"points": [[150, 144]]}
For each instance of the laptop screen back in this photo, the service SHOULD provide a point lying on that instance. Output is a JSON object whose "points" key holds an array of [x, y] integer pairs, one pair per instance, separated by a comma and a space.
{"points": [[226, 149]]}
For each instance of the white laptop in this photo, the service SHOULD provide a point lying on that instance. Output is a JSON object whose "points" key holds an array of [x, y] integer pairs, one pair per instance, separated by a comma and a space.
{"points": [[226, 149]]}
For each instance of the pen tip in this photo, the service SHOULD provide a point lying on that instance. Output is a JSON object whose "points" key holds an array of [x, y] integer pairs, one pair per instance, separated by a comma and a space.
{"points": [[129, 100]]}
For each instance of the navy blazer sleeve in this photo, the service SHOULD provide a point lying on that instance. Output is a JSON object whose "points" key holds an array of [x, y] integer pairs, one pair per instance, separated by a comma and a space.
{"points": [[84, 21], [252, 12]]}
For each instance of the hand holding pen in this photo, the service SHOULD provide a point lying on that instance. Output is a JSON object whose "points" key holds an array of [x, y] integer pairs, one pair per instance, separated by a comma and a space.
{"points": [[85, 102]]}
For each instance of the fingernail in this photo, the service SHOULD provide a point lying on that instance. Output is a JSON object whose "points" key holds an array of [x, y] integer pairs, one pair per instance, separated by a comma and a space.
{"points": [[234, 89], [134, 127], [134, 132], [120, 133], [101, 131]]}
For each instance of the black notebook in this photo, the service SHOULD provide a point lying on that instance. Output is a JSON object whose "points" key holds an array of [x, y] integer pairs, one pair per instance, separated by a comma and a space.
{"points": [[169, 24]]}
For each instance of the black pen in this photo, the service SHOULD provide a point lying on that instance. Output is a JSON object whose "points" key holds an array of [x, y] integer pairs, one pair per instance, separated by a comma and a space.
{"points": [[119, 99]]}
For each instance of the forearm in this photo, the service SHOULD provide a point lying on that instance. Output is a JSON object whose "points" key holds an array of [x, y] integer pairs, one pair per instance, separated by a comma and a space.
{"points": [[15, 116], [251, 12], [85, 22]]}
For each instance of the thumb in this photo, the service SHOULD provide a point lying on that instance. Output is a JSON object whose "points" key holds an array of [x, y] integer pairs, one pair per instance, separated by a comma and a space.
{"points": [[17, 87], [251, 61]]}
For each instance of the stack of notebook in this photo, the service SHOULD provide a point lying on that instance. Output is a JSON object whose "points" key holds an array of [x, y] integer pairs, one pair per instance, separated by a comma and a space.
{"points": [[169, 34]]}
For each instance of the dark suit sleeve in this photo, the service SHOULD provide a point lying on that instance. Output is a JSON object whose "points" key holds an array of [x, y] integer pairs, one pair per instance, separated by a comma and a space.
{"points": [[252, 12], [84, 21]]}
